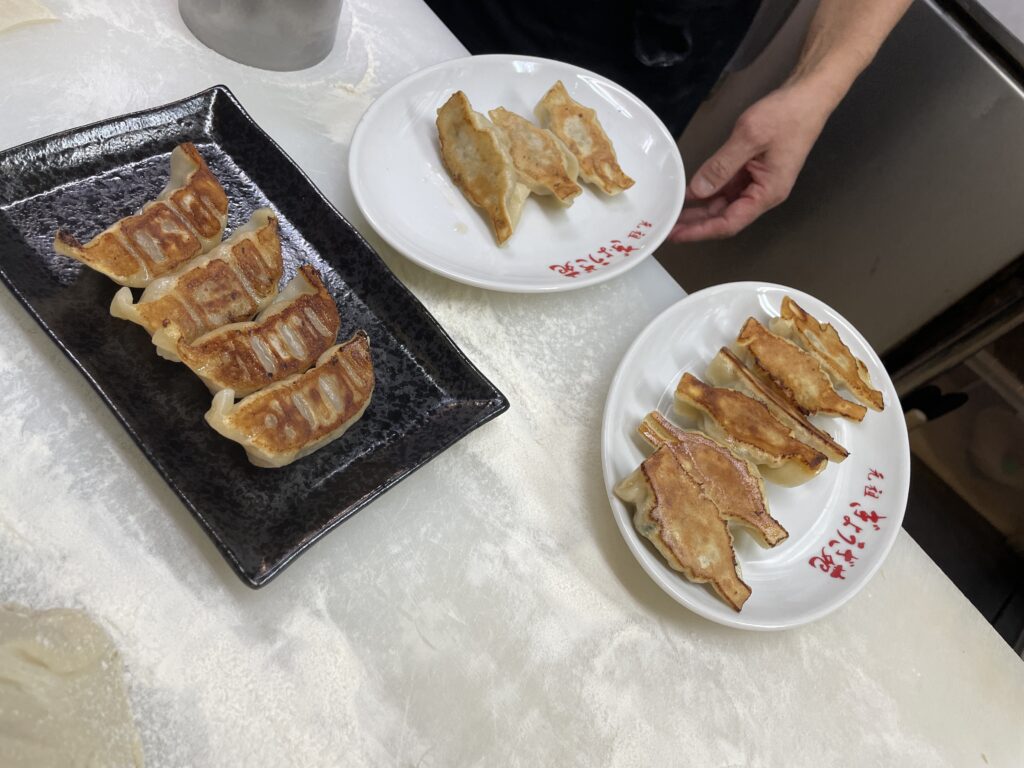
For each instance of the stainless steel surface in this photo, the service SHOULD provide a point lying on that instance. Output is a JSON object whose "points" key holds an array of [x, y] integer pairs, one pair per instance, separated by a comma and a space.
{"points": [[984, 315], [270, 34], [911, 198], [953, 355], [1002, 19]]}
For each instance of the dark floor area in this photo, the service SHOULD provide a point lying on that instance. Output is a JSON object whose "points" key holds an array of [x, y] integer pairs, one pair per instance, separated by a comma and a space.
{"points": [[974, 555]]}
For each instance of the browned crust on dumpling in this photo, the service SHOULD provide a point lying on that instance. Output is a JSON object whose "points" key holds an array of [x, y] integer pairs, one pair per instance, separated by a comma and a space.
{"points": [[797, 374], [160, 238], [202, 201], [259, 266], [288, 418], [727, 370], [223, 290], [748, 422], [580, 130], [165, 234], [478, 164], [151, 243], [732, 483], [684, 525], [106, 253], [248, 356], [538, 156], [823, 341]]}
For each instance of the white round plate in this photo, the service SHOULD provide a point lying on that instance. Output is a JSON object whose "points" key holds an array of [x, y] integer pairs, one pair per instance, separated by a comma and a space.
{"points": [[402, 188], [806, 576]]}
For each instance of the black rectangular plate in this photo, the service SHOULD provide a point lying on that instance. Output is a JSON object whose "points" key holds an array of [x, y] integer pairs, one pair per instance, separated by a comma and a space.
{"points": [[427, 396]]}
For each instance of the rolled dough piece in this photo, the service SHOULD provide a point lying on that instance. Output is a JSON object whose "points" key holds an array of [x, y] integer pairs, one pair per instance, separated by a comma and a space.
{"points": [[62, 696], [15, 12]]}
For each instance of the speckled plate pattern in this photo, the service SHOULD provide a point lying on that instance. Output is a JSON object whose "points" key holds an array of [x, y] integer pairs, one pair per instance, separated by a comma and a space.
{"points": [[427, 396]]}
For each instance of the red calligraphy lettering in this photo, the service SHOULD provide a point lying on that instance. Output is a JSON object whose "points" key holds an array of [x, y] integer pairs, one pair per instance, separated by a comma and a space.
{"points": [[847, 555], [852, 540], [566, 270], [849, 522], [826, 564], [869, 517]]}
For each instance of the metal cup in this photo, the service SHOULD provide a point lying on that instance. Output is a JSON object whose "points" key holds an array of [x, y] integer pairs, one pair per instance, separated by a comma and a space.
{"points": [[271, 34]]}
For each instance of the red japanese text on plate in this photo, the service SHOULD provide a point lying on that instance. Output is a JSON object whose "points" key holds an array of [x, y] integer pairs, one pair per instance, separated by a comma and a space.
{"points": [[616, 250], [851, 538]]}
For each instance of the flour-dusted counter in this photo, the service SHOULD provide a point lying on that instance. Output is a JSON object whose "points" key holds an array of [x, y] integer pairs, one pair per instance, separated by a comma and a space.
{"points": [[486, 610]]}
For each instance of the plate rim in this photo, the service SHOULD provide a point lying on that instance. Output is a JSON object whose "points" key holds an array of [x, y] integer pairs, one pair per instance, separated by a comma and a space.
{"points": [[490, 407], [623, 519], [657, 236]]}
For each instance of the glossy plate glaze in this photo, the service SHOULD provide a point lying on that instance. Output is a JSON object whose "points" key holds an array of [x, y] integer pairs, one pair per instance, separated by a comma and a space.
{"points": [[841, 524], [428, 395], [406, 194]]}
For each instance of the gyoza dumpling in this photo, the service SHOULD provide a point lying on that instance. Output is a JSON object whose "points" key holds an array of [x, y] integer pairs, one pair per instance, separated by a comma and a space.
{"points": [[796, 374], [578, 127], [684, 525], [732, 483], [480, 165], [543, 162], [295, 417], [822, 341], [231, 283], [286, 338], [727, 370], [185, 220], [747, 428]]}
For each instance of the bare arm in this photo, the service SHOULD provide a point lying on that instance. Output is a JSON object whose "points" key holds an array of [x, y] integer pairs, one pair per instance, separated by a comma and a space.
{"points": [[758, 165], [843, 39]]}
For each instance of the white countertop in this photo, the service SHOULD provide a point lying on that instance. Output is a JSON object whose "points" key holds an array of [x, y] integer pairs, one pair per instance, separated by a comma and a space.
{"points": [[483, 612]]}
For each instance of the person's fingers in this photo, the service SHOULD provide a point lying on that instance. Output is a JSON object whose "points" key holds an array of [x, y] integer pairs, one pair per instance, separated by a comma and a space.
{"points": [[719, 169], [738, 215], [676, 233], [691, 196], [694, 213], [692, 216], [717, 205]]}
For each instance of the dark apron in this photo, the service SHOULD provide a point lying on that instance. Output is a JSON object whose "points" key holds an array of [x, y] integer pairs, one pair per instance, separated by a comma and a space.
{"points": [[667, 52]]}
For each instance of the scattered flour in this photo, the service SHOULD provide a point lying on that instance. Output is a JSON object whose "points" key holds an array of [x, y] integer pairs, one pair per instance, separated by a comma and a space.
{"points": [[484, 612]]}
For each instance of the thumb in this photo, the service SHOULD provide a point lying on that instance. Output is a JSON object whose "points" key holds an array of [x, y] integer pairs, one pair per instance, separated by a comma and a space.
{"points": [[722, 166]]}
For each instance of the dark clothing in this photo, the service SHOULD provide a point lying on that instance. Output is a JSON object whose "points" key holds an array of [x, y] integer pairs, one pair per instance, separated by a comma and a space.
{"points": [[667, 52]]}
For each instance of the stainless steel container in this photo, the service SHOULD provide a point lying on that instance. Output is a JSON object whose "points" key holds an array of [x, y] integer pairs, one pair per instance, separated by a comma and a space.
{"points": [[270, 34]]}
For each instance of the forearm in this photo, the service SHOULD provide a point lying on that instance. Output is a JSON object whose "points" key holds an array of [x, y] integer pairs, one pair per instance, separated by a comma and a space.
{"points": [[757, 166], [843, 38]]}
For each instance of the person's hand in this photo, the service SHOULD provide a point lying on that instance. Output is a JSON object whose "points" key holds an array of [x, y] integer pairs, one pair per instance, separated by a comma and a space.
{"points": [[756, 168]]}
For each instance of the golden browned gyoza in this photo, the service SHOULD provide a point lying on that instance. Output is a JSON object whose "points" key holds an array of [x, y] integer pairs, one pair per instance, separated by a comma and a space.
{"points": [[731, 482], [542, 160], [578, 127], [231, 283], [727, 370], [294, 417], [822, 341], [747, 428], [185, 220], [796, 373], [286, 338], [684, 524], [480, 165]]}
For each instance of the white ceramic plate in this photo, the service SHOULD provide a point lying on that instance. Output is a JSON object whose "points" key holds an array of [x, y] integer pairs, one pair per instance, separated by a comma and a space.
{"points": [[794, 583], [405, 193]]}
